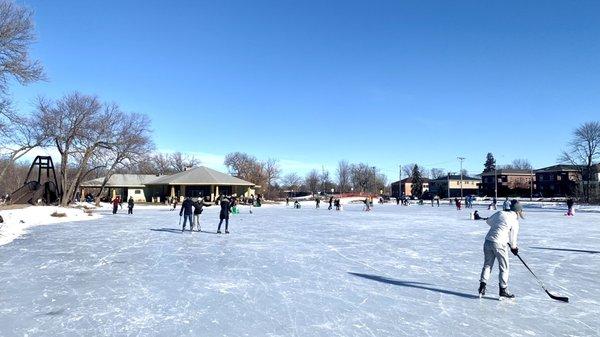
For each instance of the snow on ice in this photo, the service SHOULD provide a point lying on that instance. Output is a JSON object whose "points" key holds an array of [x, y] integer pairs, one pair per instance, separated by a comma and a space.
{"points": [[395, 271]]}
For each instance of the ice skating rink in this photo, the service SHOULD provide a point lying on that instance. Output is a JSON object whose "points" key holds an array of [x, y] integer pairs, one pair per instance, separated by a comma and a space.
{"points": [[395, 271]]}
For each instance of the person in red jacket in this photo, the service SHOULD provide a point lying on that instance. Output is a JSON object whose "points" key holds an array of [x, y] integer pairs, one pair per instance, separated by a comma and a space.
{"points": [[116, 201]]}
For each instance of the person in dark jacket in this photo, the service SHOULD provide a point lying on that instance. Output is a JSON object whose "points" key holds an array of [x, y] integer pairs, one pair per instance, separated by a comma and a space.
{"points": [[570, 209], [476, 216], [198, 205], [187, 210], [330, 202], [130, 204], [318, 202], [224, 215]]}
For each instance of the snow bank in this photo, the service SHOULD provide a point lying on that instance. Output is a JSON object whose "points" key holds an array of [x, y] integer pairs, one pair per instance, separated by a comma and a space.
{"points": [[17, 221]]}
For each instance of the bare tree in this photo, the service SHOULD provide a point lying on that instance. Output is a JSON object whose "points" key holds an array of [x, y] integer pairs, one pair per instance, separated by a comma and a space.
{"points": [[78, 125], [363, 177], [179, 162], [518, 164], [245, 167], [19, 134], [326, 184], [312, 181], [132, 132], [272, 172], [583, 150], [16, 35], [344, 172], [407, 170], [291, 181], [436, 173]]}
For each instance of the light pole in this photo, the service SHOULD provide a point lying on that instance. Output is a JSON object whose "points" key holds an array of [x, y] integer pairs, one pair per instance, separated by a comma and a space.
{"points": [[531, 186], [461, 175], [495, 183], [399, 179]]}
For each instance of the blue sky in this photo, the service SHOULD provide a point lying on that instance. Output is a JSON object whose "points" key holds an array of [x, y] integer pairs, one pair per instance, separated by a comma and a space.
{"points": [[313, 82]]}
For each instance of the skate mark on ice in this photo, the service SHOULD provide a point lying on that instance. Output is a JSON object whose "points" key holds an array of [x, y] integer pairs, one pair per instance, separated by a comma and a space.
{"points": [[166, 230], [418, 285], [568, 250]]}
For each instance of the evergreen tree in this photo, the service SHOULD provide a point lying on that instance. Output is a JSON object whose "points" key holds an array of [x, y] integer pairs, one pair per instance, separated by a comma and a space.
{"points": [[490, 163], [417, 182]]}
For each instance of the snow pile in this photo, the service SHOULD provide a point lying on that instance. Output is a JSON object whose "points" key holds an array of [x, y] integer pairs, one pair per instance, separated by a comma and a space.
{"points": [[17, 221]]}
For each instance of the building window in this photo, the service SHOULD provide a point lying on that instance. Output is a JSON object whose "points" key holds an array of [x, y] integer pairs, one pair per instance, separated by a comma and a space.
{"points": [[137, 192]]}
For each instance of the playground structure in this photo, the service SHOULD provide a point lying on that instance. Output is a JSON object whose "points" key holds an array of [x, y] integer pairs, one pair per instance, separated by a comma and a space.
{"points": [[45, 189]]}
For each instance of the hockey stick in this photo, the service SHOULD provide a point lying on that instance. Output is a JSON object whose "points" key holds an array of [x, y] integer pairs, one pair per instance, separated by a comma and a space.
{"points": [[554, 297]]}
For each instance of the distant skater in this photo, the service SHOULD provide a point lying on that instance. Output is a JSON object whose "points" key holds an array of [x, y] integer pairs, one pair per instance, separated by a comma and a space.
{"points": [[476, 216], [318, 202], [330, 203], [337, 204], [437, 199], [198, 208], [296, 204], [224, 215], [502, 236], [571, 209], [115, 203], [187, 211], [506, 205], [287, 201], [130, 204], [493, 204], [457, 202], [367, 205]]}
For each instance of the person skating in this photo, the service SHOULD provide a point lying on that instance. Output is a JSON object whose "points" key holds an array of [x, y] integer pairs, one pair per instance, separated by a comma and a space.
{"points": [[224, 214], [438, 200], [502, 236], [187, 210], [493, 204], [337, 204], [296, 204], [287, 201], [506, 205], [130, 204], [367, 205], [330, 203], [198, 208], [476, 216], [318, 202], [115, 203], [570, 210]]}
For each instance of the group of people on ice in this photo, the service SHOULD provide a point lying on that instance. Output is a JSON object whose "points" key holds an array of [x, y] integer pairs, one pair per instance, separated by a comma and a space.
{"points": [[117, 203], [191, 210]]}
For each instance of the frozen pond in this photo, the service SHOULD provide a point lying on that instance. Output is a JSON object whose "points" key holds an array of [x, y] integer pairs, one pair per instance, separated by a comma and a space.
{"points": [[396, 271]]}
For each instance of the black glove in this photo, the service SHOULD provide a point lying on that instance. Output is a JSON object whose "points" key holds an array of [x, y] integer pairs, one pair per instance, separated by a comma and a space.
{"points": [[515, 250]]}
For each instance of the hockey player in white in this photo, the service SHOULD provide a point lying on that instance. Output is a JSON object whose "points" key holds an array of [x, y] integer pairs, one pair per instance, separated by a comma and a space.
{"points": [[504, 228]]}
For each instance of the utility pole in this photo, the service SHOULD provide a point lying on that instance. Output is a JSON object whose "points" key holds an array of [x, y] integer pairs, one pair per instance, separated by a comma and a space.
{"points": [[461, 175], [495, 183], [399, 179], [531, 186]]}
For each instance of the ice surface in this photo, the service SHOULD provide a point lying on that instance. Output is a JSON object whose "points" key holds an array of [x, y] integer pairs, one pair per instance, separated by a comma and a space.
{"points": [[395, 271]]}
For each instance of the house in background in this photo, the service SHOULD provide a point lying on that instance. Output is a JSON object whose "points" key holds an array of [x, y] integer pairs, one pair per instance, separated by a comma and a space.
{"points": [[123, 185], [510, 183], [405, 186], [195, 182], [451, 186], [558, 180]]}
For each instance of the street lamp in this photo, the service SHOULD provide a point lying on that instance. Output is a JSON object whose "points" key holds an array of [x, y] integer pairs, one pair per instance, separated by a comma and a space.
{"points": [[461, 175]]}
